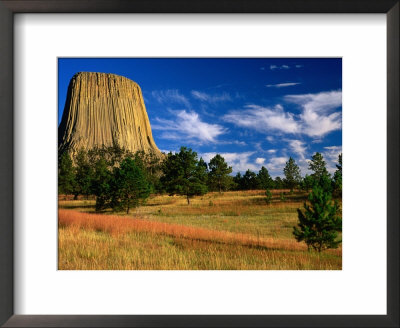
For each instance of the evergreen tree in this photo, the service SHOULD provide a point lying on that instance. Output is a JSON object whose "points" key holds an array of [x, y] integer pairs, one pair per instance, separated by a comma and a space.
{"points": [[319, 222], [249, 180], [218, 177], [318, 166], [151, 166], [203, 171], [278, 183], [183, 175], [264, 179], [66, 176], [83, 174], [307, 183], [337, 178], [238, 181], [130, 186], [292, 174], [102, 184]]}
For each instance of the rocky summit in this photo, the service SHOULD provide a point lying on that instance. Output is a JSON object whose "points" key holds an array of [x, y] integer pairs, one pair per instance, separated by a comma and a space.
{"points": [[103, 110]]}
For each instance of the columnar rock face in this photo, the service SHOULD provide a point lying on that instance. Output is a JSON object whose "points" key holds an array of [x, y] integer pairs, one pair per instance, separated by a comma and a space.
{"points": [[105, 109]]}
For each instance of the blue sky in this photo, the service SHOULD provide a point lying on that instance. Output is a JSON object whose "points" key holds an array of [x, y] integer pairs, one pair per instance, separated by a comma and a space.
{"points": [[253, 111]]}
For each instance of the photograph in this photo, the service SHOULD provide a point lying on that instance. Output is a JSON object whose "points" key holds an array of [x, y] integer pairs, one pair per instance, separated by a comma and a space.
{"points": [[199, 163]]}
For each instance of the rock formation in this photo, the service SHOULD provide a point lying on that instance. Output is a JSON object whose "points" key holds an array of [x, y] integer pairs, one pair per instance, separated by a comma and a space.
{"points": [[105, 109]]}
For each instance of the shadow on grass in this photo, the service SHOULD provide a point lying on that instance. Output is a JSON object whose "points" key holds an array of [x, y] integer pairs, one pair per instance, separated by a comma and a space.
{"points": [[71, 207]]}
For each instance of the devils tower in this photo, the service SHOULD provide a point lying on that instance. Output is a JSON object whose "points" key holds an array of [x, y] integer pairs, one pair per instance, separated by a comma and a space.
{"points": [[103, 110]]}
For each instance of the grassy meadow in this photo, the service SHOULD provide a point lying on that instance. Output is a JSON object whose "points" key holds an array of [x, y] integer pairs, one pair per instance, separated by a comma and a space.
{"points": [[234, 230]]}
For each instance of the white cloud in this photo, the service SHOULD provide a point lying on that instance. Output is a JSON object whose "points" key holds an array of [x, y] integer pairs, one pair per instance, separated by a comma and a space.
{"points": [[298, 147], [263, 119], [271, 151], [270, 138], [331, 155], [188, 125], [260, 160], [274, 67], [319, 102], [211, 98], [170, 96], [318, 116], [240, 162], [282, 85], [299, 66], [275, 165]]}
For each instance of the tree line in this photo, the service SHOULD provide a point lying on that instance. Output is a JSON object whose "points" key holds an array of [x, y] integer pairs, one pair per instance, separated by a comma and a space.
{"points": [[109, 173]]}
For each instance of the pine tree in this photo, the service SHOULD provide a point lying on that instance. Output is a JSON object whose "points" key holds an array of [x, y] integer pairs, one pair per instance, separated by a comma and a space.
{"points": [[292, 174], [307, 183], [83, 174], [183, 175], [218, 177], [264, 179], [238, 181], [203, 171], [249, 180], [102, 183], [278, 183], [337, 178], [318, 166], [130, 186], [319, 222], [66, 175]]}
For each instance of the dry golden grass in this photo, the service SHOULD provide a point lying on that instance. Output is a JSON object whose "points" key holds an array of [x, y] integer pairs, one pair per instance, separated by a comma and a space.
{"points": [[233, 230], [167, 234], [91, 250], [117, 225]]}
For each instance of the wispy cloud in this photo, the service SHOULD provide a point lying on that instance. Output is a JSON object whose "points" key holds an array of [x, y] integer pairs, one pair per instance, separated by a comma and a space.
{"points": [[188, 125], [271, 151], [298, 147], [211, 98], [263, 119], [277, 67], [170, 96], [318, 116], [282, 85]]}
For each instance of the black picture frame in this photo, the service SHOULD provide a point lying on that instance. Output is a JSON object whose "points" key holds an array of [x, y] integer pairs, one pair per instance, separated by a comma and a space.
{"points": [[10, 7]]}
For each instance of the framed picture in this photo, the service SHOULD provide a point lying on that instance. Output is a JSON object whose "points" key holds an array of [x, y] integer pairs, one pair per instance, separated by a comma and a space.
{"points": [[248, 89]]}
